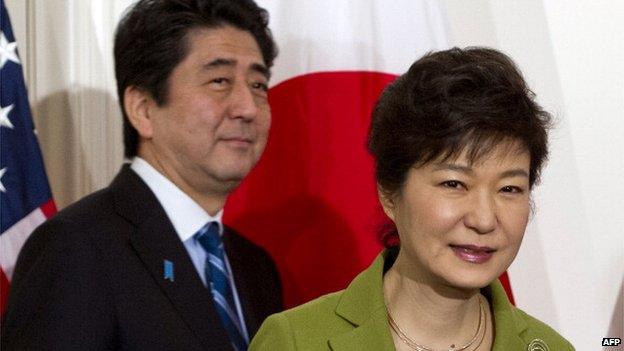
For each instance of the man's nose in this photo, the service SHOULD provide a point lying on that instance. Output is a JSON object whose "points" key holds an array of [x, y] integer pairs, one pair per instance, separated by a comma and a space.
{"points": [[243, 103], [481, 214]]}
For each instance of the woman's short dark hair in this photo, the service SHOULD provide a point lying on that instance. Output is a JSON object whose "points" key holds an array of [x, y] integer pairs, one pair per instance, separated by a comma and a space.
{"points": [[453, 101], [151, 40]]}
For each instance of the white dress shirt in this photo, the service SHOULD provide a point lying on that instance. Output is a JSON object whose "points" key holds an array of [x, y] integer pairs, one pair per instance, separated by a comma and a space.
{"points": [[187, 218]]}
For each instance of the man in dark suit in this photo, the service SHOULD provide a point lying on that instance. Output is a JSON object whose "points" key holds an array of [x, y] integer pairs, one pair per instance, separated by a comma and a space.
{"points": [[146, 263]]}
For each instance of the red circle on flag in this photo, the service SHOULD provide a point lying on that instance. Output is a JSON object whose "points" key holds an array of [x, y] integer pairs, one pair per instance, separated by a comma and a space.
{"points": [[311, 201]]}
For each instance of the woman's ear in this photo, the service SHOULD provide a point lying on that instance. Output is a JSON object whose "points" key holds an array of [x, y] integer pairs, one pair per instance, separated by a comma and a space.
{"points": [[387, 201], [136, 105]]}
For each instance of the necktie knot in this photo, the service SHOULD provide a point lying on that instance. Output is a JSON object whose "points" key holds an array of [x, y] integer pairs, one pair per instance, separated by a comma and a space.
{"points": [[209, 238]]}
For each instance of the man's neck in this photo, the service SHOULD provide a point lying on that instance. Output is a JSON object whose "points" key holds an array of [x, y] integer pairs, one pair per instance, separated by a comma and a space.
{"points": [[211, 201]]}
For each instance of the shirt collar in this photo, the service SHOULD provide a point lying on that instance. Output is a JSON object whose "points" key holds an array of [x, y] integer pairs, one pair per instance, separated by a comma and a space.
{"points": [[184, 213]]}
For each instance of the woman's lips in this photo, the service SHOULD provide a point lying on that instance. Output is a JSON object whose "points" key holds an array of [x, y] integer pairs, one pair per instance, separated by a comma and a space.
{"points": [[472, 253]]}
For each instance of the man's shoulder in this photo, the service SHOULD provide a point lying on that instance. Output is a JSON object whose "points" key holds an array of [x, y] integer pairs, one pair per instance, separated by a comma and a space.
{"points": [[81, 223], [97, 202], [69, 239], [100, 207]]}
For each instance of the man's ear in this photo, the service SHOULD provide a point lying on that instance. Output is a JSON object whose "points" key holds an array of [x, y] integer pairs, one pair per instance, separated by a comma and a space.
{"points": [[136, 105], [387, 202]]}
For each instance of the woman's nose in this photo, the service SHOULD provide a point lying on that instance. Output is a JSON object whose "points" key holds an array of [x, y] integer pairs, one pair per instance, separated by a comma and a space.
{"points": [[481, 214]]}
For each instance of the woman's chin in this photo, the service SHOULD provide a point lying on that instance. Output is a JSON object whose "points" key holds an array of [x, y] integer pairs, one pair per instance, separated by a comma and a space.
{"points": [[468, 284], [472, 278]]}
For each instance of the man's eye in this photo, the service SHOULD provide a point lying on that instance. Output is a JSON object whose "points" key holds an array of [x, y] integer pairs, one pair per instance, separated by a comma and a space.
{"points": [[260, 86], [219, 81], [454, 184], [512, 189]]}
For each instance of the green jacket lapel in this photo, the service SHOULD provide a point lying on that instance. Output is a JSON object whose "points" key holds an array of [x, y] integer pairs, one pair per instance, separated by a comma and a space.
{"points": [[508, 325], [362, 304], [373, 334]]}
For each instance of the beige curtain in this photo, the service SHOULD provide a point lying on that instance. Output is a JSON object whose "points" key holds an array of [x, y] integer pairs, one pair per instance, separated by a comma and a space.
{"points": [[66, 52]]}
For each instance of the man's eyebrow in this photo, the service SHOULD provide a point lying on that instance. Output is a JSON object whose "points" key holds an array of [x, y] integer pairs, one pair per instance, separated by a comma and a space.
{"points": [[220, 62], [262, 69], [518, 172]]}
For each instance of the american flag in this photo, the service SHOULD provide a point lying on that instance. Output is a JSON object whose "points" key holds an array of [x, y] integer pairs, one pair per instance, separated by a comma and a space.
{"points": [[25, 197]]}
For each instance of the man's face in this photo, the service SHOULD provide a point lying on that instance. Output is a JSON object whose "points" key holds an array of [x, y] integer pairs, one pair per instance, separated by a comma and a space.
{"points": [[214, 125]]}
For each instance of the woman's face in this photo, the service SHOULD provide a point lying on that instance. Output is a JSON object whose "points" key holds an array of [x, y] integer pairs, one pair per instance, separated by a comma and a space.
{"points": [[461, 224]]}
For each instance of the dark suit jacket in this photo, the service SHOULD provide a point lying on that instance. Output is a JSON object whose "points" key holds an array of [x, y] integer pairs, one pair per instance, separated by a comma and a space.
{"points": [[92, 278]]}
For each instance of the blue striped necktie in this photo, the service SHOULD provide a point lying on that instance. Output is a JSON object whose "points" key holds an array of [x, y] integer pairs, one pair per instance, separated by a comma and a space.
{"points": [[218, 276]]}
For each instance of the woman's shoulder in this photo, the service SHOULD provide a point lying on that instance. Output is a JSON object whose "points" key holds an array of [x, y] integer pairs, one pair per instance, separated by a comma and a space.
{"points": [[322, 308], [538, 332], [330, 318], [305, 327], [517, 329]]}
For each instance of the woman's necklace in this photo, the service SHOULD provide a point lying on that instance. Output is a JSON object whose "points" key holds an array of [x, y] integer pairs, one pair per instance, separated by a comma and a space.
{"points": [[416, 346]]}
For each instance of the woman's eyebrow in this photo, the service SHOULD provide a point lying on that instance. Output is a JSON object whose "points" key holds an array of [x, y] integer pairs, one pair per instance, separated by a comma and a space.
{"points": [[516, 172], [453, 167]]}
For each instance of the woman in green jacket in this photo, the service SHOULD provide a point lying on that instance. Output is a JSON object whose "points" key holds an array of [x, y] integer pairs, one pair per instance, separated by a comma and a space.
{"points": [[459, 142]]}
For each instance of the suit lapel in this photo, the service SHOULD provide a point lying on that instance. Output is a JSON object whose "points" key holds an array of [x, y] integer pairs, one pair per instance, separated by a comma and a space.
{"points": [[371, 335], [362, 305], [155, 241], [508, 326]]}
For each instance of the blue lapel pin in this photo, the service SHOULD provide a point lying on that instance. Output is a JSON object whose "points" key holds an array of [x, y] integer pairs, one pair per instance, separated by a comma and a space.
{"points": [[168, 268]]}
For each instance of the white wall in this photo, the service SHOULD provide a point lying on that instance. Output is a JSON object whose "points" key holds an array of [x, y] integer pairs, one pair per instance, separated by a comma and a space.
{"points": [[570, 270]]}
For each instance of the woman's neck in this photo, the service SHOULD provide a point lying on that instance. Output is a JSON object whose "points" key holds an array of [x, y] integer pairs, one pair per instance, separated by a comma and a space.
{"points": [[431, 314]]}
